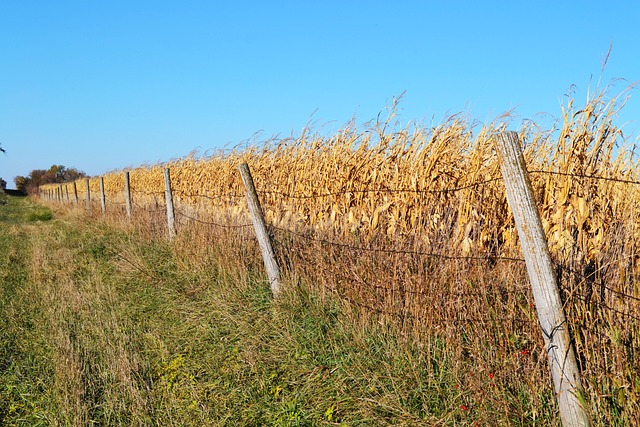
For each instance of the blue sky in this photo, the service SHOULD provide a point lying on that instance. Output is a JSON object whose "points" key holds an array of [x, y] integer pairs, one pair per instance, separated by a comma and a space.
{"points": [[101, 85]]}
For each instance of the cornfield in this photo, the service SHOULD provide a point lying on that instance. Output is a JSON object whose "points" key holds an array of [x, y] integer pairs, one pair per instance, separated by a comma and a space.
{"points": [[411, 227]]}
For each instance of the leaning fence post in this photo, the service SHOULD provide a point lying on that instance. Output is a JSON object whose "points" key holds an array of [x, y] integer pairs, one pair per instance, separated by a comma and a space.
{"points": [[66, 189], [88, 195], [75, 193], [171, 218], [103, 198], [257, 217], [127, 193], [560, 351]]}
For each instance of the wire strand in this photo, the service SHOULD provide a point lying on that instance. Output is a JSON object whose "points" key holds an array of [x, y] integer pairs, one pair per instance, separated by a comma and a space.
{"points": [[213, 223], [380, 190], [396, 251], [574, 175]]}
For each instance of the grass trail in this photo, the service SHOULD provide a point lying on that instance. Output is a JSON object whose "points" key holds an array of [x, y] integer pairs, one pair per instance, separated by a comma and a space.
{"points": [[107, 327]]}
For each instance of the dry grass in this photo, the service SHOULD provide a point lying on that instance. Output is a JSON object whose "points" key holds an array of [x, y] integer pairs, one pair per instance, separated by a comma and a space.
{"points": [[369, 215]]}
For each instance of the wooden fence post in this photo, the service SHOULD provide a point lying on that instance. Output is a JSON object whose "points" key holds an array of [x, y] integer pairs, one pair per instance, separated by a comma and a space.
{"points": [[66, 189], [75, 193], [103, 197], [88, 195], [171, 218], [127, 193], [560, 351], [257, 217]]}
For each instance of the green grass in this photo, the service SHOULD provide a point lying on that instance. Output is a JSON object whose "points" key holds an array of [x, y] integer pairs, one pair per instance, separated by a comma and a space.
{"points": [[25, 355], [16, 210], [105, 327]]}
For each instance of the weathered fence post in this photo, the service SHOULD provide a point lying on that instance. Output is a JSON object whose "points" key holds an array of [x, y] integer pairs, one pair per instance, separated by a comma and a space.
{"points": [[257, 217], [75, 193], [103, 197], [127, 194], [88, 195], [560, 351], [66, 189], [171, 218]]}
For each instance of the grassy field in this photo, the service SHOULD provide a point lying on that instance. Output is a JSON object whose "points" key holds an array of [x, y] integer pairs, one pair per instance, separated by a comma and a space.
{"points": [[106, 326], [407, 300]]}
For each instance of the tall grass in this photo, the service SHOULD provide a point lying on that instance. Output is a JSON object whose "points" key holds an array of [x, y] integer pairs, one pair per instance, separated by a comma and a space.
{"points": [[410, 231], [110, 327]]}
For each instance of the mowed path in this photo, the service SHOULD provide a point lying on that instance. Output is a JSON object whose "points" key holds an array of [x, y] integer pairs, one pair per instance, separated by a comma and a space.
{"points": [[86, 337]]}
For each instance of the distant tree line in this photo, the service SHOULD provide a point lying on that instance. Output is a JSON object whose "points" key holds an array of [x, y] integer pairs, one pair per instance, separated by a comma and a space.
{"points": [[57, 174]]}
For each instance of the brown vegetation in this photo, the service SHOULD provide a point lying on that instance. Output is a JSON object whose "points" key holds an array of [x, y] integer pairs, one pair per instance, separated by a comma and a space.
{"points": [[410, 228]]}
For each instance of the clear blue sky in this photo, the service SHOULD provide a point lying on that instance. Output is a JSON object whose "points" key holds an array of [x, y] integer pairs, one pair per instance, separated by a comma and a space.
{"points": [[101, 85]]}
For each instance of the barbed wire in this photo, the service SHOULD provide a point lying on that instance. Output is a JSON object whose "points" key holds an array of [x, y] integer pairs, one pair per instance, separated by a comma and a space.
{"points": [[396, 314], [370, 286], [489, 258], [606, 307], [212, 223], [114, 202], [380, 190], [590, 279], [208, 197], [581, 277], [436, 191], [150, 206], [421, 293], [147, 193], [591, 276], [597, 177]]}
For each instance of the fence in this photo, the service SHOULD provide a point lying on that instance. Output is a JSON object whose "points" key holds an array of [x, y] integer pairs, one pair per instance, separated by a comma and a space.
{"points": [[383, 275]]}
